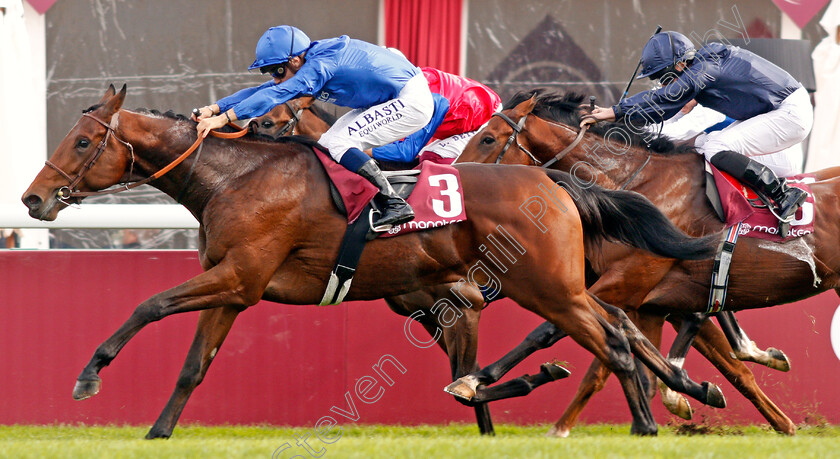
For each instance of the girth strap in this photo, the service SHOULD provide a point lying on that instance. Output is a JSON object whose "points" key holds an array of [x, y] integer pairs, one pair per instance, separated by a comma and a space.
{"points": [[348, 259]]}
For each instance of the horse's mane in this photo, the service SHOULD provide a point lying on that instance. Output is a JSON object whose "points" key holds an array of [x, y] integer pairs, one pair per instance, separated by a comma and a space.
{"points": [[323, 115], [563, 108], [251, 136]]}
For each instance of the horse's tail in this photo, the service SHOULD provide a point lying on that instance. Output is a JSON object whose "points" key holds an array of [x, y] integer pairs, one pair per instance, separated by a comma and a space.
{"points": [[628, 217]]}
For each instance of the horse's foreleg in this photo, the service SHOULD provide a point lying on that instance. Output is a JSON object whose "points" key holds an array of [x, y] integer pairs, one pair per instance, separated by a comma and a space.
{"points": [[745, 349], [522, 385], [459, 340], [714, 346], [462, 347], [213, 288], [689, 326], [213, 327], [593, 381], [545, 335]]}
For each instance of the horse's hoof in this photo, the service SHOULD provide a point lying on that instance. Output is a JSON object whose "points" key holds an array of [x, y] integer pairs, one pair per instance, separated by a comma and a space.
{"points": [[646, 431], [714, 396], [554, 371], [155, 434], [463, 388], [86, 389], [557, 432], [779, 360], [681, 408]]}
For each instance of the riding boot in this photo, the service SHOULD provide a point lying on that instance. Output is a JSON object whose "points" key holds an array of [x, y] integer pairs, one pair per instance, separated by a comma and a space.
{"points": [[394, 210], [763, 181]]}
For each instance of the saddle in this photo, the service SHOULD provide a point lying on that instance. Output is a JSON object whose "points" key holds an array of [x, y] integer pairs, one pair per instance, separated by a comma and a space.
{"points": [[735, 203], [436, 202], [403, 183]]}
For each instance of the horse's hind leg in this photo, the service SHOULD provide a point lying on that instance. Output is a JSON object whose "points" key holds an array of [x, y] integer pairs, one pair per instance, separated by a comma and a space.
{"points": [[459, 340], [745, 349], [542, 337], [582, 322], [213, 327], [670, 374], [712, 343], [688, 328], [596, 377]]}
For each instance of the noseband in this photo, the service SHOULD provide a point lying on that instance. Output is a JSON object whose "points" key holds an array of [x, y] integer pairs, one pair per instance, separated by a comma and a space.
{"points": [[293, 121]]}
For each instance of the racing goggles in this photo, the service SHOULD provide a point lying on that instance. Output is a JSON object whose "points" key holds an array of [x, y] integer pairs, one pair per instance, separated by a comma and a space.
{"points": [[276, 70]]}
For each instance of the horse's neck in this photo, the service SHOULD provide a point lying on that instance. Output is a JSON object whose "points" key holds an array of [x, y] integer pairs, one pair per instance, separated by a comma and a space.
{"points": [[311, 125], [157, 142], [674, 183]]}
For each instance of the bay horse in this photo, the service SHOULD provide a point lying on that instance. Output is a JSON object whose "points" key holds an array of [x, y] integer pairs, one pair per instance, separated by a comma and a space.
{"points": [[459, 340], [300, 114], [648, 288], [278, 195]]}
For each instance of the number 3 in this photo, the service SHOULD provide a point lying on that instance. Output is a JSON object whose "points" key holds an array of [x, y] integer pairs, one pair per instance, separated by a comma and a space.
{"points": [[451, 192]]}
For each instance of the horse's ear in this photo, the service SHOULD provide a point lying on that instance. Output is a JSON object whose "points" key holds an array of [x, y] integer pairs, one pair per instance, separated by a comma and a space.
{"points": [[306, 102], [526, 106], [109, 93], [115, 102]]}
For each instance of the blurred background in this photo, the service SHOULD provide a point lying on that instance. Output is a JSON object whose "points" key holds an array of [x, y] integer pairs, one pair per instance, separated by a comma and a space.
{"points": [[58, 56]]}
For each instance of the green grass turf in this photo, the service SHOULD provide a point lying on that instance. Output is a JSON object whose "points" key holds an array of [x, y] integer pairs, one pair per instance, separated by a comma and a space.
{"points": [[461, 441]]}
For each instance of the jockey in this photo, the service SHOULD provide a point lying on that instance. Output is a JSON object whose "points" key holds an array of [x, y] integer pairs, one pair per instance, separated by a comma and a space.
{"points": [[772, 110], [389, 96], [462, 106]]}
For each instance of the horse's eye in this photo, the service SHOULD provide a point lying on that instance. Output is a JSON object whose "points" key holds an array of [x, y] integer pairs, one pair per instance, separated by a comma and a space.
{"points": [[82, 143], [268, 124], [488, 140]]}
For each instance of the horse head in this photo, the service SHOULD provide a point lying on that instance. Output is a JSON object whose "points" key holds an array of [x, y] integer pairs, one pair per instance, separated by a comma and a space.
{"points": [[284, 119], [90, 157], [499, 140]]}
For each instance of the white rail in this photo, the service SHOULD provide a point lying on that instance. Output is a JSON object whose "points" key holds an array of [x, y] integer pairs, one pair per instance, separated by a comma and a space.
{"points": [[103, 216]]}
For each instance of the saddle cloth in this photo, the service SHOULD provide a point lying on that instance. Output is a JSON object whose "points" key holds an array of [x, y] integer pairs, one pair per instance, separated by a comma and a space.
{"points": [[437, 199], [741, 205]]}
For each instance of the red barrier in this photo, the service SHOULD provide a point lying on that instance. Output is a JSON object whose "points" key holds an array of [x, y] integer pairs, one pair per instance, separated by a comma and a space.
{"points": [[290, 365]]}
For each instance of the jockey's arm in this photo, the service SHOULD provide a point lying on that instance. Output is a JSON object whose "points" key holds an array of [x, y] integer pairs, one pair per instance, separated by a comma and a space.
{"points": [[406, 150], [660, 104]]}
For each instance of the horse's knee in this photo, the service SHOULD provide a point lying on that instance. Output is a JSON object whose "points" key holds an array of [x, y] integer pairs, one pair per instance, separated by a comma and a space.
{"points": [[150, 310], [190, 377]]}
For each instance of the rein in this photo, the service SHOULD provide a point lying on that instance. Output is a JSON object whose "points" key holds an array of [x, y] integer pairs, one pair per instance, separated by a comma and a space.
{"points": [[517, 128], [72, 192]]}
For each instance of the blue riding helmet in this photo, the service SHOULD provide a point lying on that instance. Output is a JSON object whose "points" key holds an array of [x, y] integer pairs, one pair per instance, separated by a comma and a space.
{"points": [[664, 50], [279, 44]]}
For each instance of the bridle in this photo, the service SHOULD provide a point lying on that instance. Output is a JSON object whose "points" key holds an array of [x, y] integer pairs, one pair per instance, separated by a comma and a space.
{"points": [[71, 191], [517, 128], [293, 121]]}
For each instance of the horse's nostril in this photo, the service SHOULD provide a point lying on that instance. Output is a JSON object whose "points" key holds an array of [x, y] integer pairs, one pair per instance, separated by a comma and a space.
{"points": [[33, 201]]}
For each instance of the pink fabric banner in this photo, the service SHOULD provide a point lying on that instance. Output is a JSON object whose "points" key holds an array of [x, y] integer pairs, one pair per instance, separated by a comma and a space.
{"points": [[801, 11], [41, 6]]}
